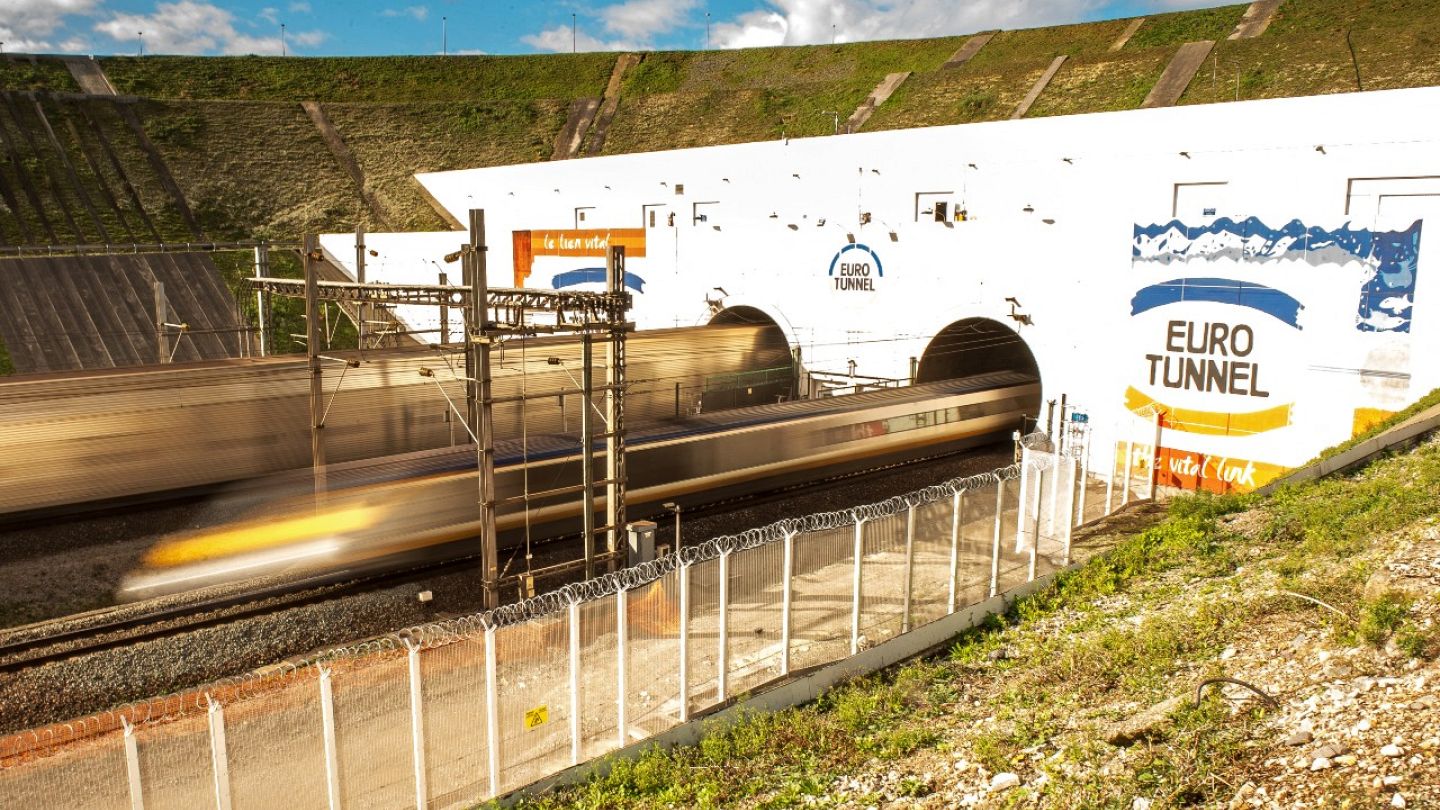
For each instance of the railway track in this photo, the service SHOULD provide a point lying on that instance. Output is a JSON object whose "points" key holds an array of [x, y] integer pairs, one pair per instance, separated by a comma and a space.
{"points": [[76, 635]]}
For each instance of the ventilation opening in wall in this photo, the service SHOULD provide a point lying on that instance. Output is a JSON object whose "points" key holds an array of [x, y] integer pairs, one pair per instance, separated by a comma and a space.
{"points": [[1201, 202], [1392, 202]]}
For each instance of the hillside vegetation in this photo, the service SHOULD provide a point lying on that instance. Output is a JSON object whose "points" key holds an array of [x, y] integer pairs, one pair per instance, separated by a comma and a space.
{"points": [[250, 162]]}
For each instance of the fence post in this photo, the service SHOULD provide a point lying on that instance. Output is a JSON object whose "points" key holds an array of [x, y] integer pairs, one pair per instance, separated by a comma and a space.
{"points": [[909, 569], [219, 759], [957, 504], [1110, 481], [995, 548], [1070, 506], [722, 674], [132, 767], [574, 626], [327, 727], [684, 642], [1035, 538], [855, 587], [417, 722], [1024, 500], [1155, 457], [1084, 480], [492, 713], [787, 595], [1125, 486], [1054, 498], [622, 642]]}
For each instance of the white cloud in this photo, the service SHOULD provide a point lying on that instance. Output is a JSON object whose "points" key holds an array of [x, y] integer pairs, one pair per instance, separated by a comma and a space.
{"points": [[299, 8], [418, 12], [643, 19], [270, 14], [28, 25], [557, 40], [634, 24], [808, 22], [195, 28]]}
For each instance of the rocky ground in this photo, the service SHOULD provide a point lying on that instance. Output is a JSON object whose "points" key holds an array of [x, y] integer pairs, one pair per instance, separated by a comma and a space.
{"points": [[1323, 602]]}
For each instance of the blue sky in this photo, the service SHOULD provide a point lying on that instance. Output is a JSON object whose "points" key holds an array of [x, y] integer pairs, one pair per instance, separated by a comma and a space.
{"points": [[338, 27]]}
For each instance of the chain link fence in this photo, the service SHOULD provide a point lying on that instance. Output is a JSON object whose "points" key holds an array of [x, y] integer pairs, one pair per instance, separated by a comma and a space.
{"points": [[448, 714]]}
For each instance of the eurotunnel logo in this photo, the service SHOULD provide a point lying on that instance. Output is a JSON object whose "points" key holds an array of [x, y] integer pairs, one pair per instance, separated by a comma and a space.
{"points": [[1206, 358], [855, 267]]}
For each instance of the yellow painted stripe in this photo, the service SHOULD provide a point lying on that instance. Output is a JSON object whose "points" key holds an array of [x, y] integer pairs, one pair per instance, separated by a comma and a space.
{"points": [[1210, 423], [262, 534]]}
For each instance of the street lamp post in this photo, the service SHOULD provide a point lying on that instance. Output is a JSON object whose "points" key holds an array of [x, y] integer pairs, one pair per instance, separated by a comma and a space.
{"points": [[141, 37], [837, 119], [707, 30], [675, 507], [572, 33], [444, 36], [283, 49]]}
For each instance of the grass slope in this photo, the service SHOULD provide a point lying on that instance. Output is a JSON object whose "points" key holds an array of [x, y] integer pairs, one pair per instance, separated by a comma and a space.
{"points": [[376, 78], [1207, 590]]}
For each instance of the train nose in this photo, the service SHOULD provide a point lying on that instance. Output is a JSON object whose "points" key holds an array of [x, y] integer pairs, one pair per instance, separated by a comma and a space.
{"points": [[315, 554]]}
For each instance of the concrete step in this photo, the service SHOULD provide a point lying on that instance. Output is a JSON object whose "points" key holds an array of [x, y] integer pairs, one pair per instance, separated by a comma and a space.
{"points": [[1127, 33], [577, 123], [89, 75], [601, 126], [1182, 68], [878, 96], [1039, 87], [1256, 19], [967, 51]]}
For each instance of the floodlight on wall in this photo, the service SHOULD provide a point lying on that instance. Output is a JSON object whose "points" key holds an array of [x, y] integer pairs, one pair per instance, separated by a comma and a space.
{"points": [[792, 226], [1029, 209], [1185, 155], [795, 175], [1048, 221], [1320, 148], [1067, 160], [874, 171], [972, 165]]}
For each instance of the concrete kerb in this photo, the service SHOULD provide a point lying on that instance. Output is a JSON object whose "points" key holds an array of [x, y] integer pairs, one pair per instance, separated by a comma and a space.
{"points": [[1402, 435], [926, 639]]}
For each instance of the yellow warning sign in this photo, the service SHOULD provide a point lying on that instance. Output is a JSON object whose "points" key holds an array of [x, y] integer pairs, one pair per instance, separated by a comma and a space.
{"points": [[536, 717]]}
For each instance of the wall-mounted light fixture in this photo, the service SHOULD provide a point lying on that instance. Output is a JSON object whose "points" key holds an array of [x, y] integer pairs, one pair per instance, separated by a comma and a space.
{"points": [[1185, 155], [1320, 148]]}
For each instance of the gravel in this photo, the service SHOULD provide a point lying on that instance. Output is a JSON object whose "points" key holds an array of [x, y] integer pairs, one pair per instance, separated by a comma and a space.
{"points": [[88, 683]]}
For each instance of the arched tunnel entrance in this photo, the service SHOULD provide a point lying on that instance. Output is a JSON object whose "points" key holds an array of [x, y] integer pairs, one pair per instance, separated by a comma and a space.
{"points": [[979, 346], [769, 376], [975, 346]]}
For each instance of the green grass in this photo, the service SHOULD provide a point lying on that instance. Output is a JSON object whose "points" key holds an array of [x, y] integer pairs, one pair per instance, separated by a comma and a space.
{"points": [[1187, 26], [17, 73], [1097, 84], [6, 366], [353, 79], [1008, 48]]}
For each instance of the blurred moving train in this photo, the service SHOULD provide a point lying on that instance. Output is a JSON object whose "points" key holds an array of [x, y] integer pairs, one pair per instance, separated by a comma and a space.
{"points": [[699, 458], [95, 436]]}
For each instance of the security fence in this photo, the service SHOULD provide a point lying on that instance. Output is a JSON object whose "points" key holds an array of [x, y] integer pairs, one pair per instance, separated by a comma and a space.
{"points": [[446, 715]]}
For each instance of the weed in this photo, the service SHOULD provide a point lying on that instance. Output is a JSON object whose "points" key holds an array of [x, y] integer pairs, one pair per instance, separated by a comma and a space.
{"points": [[1382, 617]]}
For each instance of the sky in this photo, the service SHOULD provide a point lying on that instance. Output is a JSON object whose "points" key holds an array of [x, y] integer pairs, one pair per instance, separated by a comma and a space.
{"points": [[363, 28]]}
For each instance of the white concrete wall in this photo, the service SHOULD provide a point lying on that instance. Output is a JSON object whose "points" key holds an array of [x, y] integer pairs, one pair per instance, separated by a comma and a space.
{"points": [[1054, 210]]}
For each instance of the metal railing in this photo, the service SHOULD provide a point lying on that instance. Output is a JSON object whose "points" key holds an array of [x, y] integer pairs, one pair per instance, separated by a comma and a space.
{"points": [[448, 714]]}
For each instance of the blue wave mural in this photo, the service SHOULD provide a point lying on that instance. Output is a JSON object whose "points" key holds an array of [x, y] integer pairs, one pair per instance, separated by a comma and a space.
{"points": [[1385, 300], [592, 275], [1269, 300]]}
